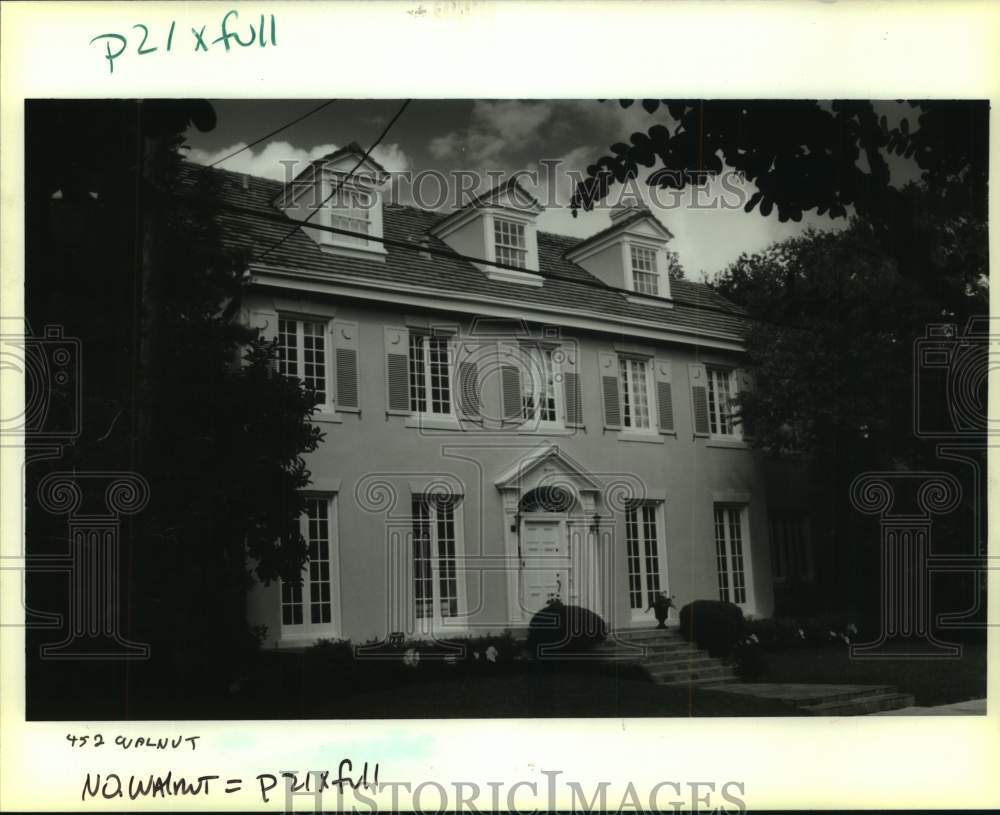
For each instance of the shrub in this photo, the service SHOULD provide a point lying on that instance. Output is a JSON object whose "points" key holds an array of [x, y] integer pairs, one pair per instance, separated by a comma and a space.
{"points": [[561, 629], [750, 660], [714, 625]]}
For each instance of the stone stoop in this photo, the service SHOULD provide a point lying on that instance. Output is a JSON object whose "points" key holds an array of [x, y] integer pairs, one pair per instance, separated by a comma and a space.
{"points": [[825, 700], [668, 658]]}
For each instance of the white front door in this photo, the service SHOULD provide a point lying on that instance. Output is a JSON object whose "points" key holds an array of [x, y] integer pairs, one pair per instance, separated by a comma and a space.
{"points": [[544, 564]]}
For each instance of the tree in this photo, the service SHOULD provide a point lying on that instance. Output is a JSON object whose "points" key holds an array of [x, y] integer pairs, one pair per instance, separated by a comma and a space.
{"points": [[804, 155], [674, 267], [835, 319], [123, 251]]}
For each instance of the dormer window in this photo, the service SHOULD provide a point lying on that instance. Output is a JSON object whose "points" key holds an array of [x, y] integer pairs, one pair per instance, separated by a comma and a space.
{"points": [[497, 227], [508, 239], [630, 255], [645, 278], [341, 190], [351, 210]]}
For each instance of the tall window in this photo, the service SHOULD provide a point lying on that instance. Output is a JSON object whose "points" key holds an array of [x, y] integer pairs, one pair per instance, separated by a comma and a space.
{"points": [[721, 392], [435, 578], [538, 386], [309, 602], [634, 377], [508, 238], [302, 353], [791, 554], [729, 552], [430, 374], [351, 210], [644, 277], [641, 542]]}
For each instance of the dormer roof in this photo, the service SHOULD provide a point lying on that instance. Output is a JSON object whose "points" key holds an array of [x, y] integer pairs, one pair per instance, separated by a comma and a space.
{"points": [[344, 159], [509, 195], [627, 223]]}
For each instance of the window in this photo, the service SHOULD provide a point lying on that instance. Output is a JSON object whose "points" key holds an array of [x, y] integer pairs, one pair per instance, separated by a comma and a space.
{"points": [[645, 280], [791, 554], [721, 392], [435, 577], [430, 375], [310, 602], [642, 545], [729, 552], [508, 238], [351, 209], [302, 354], [634, 378], [538, 386]]}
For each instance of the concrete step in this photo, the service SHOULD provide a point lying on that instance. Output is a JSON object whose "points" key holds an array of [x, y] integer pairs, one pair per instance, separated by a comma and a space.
{"points": [[718, 677], [652, 650], [716, 672], [643, 634], [861, 705]]}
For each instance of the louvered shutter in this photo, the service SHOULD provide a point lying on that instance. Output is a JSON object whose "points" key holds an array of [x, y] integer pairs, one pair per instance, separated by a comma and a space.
{"points": [[510, 386], [345, 347], [468, 390], [664, 395], [572, 395], [397, 370], [745, 383], [699, 398], [610, 392]]}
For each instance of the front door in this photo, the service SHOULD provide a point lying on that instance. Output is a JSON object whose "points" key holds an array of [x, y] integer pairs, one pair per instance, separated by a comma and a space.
{"points": [[544, 564]]}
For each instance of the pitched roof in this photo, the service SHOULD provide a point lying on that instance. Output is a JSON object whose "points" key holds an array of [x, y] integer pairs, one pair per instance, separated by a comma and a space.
{"points": [[624, 223], [697, 307]]}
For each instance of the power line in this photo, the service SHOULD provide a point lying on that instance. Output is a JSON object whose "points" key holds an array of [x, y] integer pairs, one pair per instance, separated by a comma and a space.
{"points": [[274, 132], [451, 254], [343, 180]]}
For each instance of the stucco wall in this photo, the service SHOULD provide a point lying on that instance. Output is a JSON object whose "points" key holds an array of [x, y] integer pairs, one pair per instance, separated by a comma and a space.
{"points": [[374, 460]]}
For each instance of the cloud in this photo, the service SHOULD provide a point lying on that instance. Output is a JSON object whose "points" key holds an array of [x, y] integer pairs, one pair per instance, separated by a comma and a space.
{"points": [[275, 158], [495, 130]]}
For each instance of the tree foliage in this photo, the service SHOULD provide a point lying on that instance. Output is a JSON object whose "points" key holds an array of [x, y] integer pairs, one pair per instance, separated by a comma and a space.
{"points": [[802, 155], [129, 260]]}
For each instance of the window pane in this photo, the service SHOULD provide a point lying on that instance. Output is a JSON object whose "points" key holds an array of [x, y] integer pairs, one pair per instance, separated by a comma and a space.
{"points": [[652, 556], [634, 564], [447, 578], [288, 345], [418, 383], [634, 392], [538, 385], [314, 359], [721, 560], [318, 540], [509, 240], [644, 270], [351, 210], [439, 371], [423, 581]]}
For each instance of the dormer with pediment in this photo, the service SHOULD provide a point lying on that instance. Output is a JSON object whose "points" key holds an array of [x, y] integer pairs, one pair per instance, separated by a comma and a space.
{"points": [[500, 227], [342, 190], [630, 254]]}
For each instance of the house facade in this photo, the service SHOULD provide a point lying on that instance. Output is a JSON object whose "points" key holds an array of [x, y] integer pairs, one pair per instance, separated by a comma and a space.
{"points": [[510, 416]]}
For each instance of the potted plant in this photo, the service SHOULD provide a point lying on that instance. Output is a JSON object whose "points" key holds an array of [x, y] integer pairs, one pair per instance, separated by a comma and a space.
{"points": [[660, 607]]}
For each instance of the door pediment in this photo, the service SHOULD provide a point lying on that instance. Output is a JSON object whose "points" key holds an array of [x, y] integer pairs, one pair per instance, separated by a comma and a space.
{"points": [[548, 466]]}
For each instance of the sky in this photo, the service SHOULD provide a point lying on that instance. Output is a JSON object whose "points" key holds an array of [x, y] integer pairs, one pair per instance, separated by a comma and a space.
{"points": [[498, 136]]}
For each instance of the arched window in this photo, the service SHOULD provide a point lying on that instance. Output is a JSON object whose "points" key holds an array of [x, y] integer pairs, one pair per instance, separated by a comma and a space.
{"points": [[546, 499]]}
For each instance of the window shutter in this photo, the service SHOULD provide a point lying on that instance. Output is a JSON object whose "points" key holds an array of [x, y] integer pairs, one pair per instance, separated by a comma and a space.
{"points": [[510, 385], [699, 398], [664, 395], [572, 398], [397, 370], [745, 383], [608, 364], [468, 390], [345, 345]]}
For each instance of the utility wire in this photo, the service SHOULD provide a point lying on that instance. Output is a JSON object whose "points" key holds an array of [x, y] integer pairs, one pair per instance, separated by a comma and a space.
{"points": [[453, 255], [342, 181], [316, 109]]}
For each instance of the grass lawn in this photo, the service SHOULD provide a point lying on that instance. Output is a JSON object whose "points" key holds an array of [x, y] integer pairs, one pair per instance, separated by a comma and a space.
{"points": [[547, 695], [931, 681]]}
